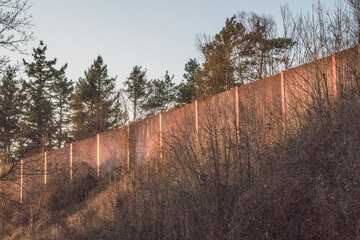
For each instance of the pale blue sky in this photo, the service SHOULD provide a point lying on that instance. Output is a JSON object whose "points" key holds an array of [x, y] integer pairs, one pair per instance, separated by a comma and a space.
{"points": [[157, 34]]}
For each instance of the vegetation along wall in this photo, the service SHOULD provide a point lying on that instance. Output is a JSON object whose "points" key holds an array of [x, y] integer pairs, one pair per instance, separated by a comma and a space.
{"points": [[270, 103]]}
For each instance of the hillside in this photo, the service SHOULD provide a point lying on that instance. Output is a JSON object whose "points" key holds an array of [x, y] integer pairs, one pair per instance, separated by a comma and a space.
{"points": [[305, 185]]}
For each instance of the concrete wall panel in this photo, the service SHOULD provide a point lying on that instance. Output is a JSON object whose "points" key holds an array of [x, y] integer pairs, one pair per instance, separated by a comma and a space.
{"points": [[347, 68], [113, 149], [178, 126], [217, 110], [144, 140], [85, 151], [260, 108], [178, 120]]}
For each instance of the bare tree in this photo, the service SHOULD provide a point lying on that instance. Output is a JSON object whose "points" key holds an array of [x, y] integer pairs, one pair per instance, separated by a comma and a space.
{"points": [[355, 5], [15, 25], [288, 33], [323, 31]]}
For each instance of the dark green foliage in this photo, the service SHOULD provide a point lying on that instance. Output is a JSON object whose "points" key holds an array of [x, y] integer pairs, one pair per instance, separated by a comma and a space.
{"points": [[160, 95], [10, 114], [135, 88], [40, 116], [186, 90], [63, 89], [96, 105], [245, 50], [218, 71]]}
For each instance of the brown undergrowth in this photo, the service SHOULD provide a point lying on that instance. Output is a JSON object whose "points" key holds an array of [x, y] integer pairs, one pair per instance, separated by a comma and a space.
{"points": [[225, 184]]}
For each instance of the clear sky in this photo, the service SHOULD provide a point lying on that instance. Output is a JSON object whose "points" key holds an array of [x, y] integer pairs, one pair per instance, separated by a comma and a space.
{"points": [[156, 34]]}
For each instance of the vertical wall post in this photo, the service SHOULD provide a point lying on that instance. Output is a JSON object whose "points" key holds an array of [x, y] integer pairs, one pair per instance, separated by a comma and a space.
{"points": [[45, 166], [98, 154], [128, 149], [197, 140], [21, 179], [71, 161], [237, 115], [334, 71], [0, 175], [196, 120], [160, 136], [283, 103]]}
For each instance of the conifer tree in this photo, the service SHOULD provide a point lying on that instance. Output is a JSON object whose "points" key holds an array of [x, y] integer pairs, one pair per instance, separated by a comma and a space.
{"points": [[40, 114], [186, 90], [160, 95], [135, 88], [10, 112], [245, 50], [121, 115], [62, 91], [95, 103]]}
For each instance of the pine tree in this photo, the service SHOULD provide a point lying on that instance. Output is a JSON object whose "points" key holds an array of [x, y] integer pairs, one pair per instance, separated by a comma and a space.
{"points": [[135, 88], [160, 95], [95, 103], [40, 110], [63, 89], [218, 71], [10, 112], [121, 116], [186, 90], [245, 50]]}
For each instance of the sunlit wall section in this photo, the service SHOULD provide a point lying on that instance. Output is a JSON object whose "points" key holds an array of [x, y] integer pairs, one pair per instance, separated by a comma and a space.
{"points": [[144, 140], [347, 69], [84, 155], [110, 154], [177, 129]]}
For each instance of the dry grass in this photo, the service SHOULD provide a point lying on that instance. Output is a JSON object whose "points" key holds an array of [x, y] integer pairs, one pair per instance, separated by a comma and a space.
{"points": [[303, 186]]}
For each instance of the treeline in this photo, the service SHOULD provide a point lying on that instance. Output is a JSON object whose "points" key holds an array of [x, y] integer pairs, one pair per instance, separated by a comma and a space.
{"points": [[47, 110]]}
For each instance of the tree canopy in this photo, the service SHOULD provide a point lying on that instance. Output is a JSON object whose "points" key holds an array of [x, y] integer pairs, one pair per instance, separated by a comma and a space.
{"points": [[246, 49], [96, 105]]}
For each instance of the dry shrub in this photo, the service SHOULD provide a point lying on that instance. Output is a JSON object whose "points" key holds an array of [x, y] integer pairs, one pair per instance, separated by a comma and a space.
{"points": [[228, 182], [309, 188], [304, 186]]}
